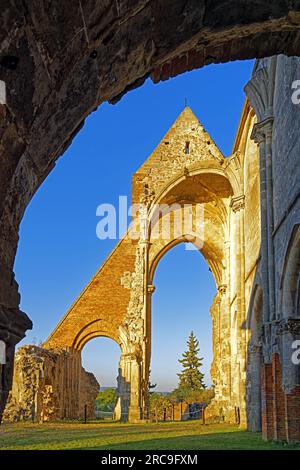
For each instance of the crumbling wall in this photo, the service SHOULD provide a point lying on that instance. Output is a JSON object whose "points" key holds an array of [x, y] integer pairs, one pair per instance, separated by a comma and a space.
{"points": [[89, 389], [50, 385]]}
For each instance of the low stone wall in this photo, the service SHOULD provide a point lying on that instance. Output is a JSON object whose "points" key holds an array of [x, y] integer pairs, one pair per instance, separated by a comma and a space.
{"points": [[222, 412], [50, 385]]}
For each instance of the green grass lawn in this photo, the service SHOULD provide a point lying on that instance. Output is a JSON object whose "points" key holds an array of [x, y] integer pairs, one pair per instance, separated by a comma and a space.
{"points": [[114, 436]]}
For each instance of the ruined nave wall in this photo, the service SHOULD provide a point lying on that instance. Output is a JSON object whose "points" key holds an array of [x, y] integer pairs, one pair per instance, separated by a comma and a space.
{"points": [[49, 385]]}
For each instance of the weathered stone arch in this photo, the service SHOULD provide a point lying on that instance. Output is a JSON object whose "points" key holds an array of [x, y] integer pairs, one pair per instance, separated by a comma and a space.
{"points": [[290, 278], [211, 253], [255, 319], [95, 329], [166, 248], [208, 184], [201, 168], [59, 61], [211, 185]]}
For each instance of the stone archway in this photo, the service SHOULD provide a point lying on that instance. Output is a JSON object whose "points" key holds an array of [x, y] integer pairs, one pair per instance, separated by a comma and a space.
{"points": [[228, 345], [291, 277], [156, 255], [59, 61], [182, 288], [104, 361]]}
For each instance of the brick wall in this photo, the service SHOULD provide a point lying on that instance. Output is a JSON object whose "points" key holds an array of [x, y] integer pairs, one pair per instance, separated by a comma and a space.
{"points": [[280, 410]]}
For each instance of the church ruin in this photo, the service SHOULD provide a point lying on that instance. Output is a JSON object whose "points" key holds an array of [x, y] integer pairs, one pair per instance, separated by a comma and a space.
{"points": [[51, 82], [255, 312], [117, 301]]}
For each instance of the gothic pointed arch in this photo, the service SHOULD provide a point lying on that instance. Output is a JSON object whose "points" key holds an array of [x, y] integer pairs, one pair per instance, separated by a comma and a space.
{"points": [[290, 278]]}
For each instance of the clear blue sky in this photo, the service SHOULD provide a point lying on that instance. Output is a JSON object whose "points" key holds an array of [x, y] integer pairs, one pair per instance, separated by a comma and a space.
{"points": [[59, 251]]}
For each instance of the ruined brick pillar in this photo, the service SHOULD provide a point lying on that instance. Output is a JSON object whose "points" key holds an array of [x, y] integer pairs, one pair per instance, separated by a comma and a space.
{"points": [[289, 332], [278, 400], [292, 415], [280, 387], [280, 408], [267, 402]]}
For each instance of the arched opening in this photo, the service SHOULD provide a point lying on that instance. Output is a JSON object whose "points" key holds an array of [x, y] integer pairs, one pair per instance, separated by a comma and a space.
{"points": [[64, 220], [290, 308], [291, 277], [196, 208], [80, 64], [184, 289], [204, 185], [101, 356]]}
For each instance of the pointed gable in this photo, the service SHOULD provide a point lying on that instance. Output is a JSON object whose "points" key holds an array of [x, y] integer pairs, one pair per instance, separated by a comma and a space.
{"points": [[185, 145]]}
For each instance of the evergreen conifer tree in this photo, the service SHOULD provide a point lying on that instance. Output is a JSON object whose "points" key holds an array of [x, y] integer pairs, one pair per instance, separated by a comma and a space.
{"points": [[191, 378]]}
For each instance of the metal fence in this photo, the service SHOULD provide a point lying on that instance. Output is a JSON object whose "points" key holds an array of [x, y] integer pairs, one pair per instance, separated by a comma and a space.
{"points": [[179, 412], [108, 415]]}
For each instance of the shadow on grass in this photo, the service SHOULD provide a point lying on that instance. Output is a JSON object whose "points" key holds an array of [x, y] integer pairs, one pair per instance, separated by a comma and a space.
{"points": [[167, 436], [221, 441]]}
